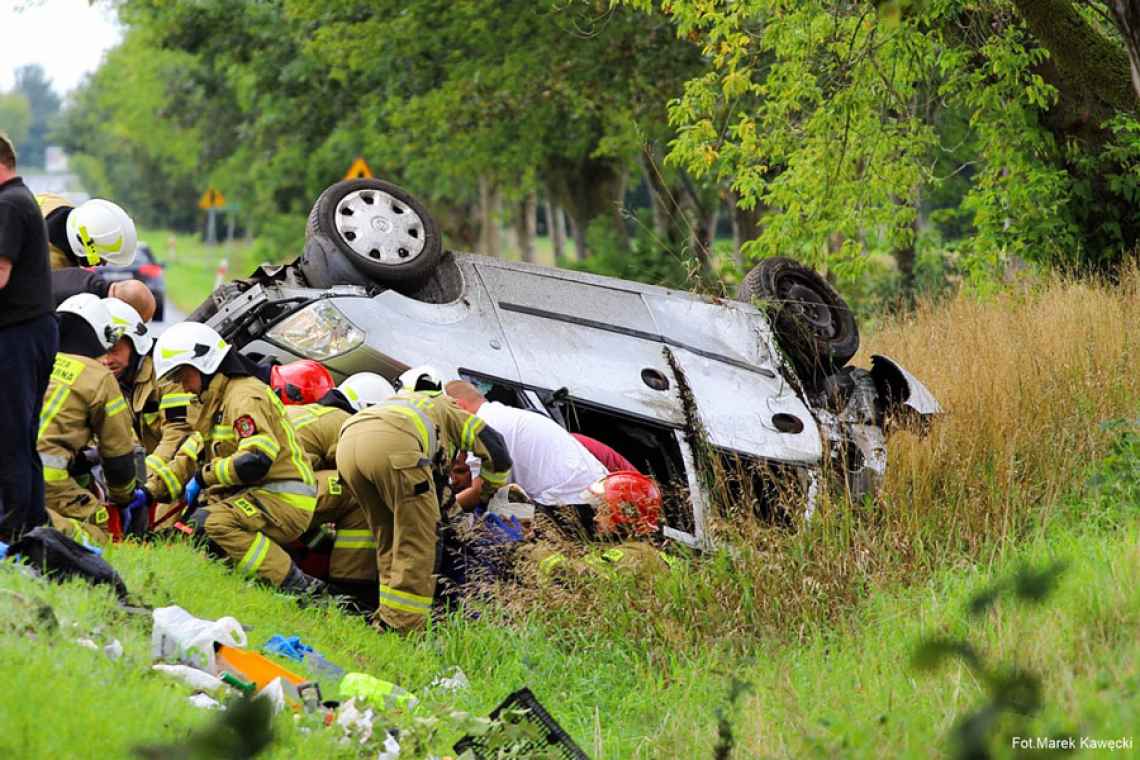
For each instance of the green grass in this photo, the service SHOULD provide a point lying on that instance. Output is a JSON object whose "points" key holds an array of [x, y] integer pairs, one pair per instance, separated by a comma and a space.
{"points": [[124, 703], [191, 265], [843, 689], [852, 692]]}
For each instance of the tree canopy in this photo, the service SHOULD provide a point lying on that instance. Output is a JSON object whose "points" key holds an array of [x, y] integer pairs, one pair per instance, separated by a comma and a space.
{"points": [[961, 132]]}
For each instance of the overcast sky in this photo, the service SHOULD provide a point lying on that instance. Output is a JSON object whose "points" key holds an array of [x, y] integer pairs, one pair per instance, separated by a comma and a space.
{"points": [[66, 37]]}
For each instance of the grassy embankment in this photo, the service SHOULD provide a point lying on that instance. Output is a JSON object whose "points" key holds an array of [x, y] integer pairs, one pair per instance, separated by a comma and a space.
{"points": [[820, 621]]}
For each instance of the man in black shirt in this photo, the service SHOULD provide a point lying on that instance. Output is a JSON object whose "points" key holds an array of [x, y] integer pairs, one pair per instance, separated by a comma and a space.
{"points": [[71, 281], [29, 338]]}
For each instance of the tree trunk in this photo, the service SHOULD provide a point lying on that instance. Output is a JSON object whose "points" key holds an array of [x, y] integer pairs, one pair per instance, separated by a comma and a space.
{"points": [[905, 254], [1091, 72], [712, 221], [526, 222], [659, 195], [586, 189], [904, 259], [699, 215], [459, 223], [556, 228], [580, 252], [1126, 13], [490, 212], [745, 226]]}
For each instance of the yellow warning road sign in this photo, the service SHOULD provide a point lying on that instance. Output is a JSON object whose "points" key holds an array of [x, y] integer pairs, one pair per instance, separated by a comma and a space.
{"points": [[358, 170], [211, 199]]}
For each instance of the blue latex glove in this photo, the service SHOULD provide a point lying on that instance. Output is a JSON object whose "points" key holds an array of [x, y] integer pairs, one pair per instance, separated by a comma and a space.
{"points": [[141, 500], [288, 646], [193, 488]]}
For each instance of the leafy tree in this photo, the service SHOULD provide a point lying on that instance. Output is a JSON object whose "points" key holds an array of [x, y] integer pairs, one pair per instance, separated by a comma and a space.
{"points": [[15, 118], [833, 115], [124, 144], [44, 103], [447, 98], [519, 94]]}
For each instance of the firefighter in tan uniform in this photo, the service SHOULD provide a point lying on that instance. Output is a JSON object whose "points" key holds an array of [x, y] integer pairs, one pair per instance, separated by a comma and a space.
{"points": [[260, 491], [83, 402], [94, 232], [390, 456], [160, 412], [629, 558], [626, 505], [353, 563]]}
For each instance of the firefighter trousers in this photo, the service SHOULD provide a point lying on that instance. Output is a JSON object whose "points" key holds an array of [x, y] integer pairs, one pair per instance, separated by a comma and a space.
{"points": [[76, 512], [354, 557], [251, 525], [386, 471]]}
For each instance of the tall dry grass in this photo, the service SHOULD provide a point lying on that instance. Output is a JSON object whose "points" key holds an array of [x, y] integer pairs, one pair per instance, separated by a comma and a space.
{"points": [[1026, 379]]}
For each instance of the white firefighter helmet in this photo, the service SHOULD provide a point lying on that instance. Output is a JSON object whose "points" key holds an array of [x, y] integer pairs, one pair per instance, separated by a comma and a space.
{"points": [[421, 378], [94, 312], [189, 344], [365, 389], [101, 230], [124, 315]]}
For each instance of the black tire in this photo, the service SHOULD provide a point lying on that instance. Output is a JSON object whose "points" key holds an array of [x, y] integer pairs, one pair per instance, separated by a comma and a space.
{"points": [[159, 308], [812, 322], [382, 229]]}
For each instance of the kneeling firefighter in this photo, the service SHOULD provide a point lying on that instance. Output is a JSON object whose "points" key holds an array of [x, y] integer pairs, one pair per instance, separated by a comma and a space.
{"points": [[391, 457], [83, 403], [353, 562], [627, 510], [160, 411], [259, 490]]}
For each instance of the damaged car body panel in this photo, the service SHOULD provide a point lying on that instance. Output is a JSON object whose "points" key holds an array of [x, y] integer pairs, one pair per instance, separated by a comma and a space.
{"points": [[664, 376]]}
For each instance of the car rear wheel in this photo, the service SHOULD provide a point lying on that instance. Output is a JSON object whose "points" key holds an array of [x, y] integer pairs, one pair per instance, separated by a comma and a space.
{"points": [[383, 230], [812, 322]]}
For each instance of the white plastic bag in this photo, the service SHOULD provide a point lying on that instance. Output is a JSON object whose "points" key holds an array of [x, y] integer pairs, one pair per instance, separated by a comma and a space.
{"points": [[198, 679], [180, 636], [274, 691], [356, 723], [511, 501], [391, 749], [205, 702], [452, 679]]}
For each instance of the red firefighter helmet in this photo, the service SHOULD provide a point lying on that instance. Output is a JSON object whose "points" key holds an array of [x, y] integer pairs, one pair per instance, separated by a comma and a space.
{"points": [[301, 382], [626, 501]]}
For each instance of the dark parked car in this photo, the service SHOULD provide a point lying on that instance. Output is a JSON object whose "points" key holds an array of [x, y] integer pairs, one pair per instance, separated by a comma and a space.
{"points": [[683, 385], [147, 269]]}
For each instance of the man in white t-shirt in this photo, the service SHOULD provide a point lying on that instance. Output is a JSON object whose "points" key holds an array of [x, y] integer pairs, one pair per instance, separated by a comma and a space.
{"points": [[550, 465]]}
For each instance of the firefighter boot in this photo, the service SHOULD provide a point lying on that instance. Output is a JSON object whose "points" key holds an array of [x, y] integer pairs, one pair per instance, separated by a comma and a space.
{"points": [[305, 586]]}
